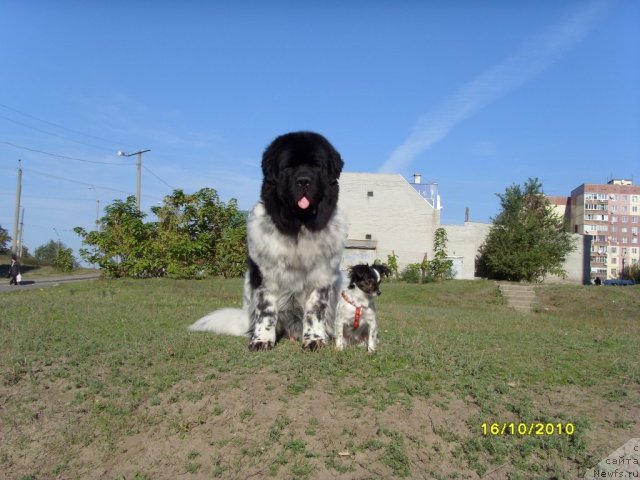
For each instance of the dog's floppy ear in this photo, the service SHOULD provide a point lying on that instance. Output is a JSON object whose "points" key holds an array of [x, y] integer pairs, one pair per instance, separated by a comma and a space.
{"points": [[355, 274], [334, 160], [337, 164], [383, 270], [271, 160]]}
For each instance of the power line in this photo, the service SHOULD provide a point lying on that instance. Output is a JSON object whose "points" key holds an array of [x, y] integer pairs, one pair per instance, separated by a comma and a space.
{"points": [[147, 169], [64, 156], [62, 127], [57, 177], [54, 134], [48, 227]]}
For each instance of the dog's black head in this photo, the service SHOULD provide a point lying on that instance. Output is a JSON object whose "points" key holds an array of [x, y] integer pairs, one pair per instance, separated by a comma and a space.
{"points": [[300, 184], [368, 277]]}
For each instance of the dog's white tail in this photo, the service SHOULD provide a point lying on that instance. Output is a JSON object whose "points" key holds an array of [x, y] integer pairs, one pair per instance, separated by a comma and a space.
{"points": [[227, 321]]}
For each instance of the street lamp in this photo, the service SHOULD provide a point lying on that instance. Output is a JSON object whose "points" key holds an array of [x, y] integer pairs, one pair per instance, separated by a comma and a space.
{"points": [[139, 154]]}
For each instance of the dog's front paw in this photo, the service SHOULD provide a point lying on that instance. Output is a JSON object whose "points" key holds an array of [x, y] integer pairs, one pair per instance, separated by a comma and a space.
{"points": [[313, 345], [257, 346]]}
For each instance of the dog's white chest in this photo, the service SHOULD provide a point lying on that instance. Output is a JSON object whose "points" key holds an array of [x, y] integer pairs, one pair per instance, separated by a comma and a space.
{"points": [[311, 259]]}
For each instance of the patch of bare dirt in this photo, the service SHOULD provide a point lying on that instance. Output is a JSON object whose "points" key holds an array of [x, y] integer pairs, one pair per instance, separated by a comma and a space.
{"points": [[257, 428], [227, 429]]}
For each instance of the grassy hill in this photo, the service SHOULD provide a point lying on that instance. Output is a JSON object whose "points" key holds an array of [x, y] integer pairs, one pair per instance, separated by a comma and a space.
{"points": [[102, 380]]}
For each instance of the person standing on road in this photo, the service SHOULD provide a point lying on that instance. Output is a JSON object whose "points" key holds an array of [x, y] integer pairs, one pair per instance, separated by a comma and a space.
{"points": [[14, 270]]}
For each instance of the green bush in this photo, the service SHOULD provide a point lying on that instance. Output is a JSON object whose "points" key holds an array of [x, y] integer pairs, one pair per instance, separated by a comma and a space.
{"points": [[412, 273], [195, 235]]}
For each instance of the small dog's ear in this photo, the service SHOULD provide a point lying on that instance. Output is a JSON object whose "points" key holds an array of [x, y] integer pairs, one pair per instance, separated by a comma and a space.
{"points": [[350, 272], [356, 273], [383, 270]]}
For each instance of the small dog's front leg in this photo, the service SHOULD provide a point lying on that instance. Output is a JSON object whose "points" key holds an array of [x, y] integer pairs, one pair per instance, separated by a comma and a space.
{"points": [[263, 316], [372, 341], [314, 333]]}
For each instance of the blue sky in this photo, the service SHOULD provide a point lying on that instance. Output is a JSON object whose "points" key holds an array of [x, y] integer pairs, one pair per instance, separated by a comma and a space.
{"points": [[473, 95]]}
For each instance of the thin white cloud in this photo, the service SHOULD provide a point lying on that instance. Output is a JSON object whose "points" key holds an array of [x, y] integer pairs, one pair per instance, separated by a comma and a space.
{"points": [[526, 63]]}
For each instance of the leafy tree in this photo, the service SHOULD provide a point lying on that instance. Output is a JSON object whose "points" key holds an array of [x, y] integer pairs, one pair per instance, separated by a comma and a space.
{"points": [[231, 254], [194, 235], [440, 268], [56, 254], [48, 252], [4, 241], [199, 234], [528, 239], [122, 245], [64, 260]]}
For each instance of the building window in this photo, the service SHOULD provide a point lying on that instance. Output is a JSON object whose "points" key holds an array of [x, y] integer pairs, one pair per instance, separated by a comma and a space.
{"points": [[625, 219], [367, 236], [634, 198], [614, 249]]}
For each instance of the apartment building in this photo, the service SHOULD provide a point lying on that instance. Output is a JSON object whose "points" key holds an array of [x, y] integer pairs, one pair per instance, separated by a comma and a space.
{"points": [[610, 214]]}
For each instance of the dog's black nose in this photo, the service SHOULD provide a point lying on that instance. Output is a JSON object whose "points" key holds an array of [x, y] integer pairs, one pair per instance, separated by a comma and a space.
{"points": [[303, 181]]}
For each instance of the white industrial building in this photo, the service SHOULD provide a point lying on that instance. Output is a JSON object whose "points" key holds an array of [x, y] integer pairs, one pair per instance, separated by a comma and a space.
{"points": [[388, 215]]}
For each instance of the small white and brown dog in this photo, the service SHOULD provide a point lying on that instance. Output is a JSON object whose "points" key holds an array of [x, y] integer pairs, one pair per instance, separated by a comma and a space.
{"points": [[355, 320]]}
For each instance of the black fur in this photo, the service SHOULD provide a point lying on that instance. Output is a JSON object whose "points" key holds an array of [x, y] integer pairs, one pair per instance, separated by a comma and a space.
{"points": [[363, 277], [255, 276], [296, 165]]}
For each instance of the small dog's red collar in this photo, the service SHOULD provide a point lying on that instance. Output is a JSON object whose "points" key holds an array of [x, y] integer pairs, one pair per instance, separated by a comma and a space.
{"points": [[359, 308]]}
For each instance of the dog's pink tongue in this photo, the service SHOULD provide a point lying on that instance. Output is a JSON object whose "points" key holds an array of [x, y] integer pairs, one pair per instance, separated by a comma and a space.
{"points": [[303, 203]]}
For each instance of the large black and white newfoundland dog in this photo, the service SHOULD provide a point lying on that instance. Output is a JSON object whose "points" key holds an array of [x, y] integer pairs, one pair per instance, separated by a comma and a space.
{"points": [[295, 237]]}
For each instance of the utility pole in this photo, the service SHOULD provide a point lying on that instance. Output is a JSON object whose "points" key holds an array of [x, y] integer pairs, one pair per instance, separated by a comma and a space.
{"points": [[58, 235], [139, 154], [139, 180], [21, 234], [16, 217]]}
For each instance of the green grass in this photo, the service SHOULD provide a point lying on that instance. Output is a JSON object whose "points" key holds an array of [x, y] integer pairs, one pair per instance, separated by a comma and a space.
{"points": [[98, 366]]}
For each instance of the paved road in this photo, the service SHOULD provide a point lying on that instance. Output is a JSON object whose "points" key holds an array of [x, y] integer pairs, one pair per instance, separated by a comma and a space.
{"points": [[28, 283]]}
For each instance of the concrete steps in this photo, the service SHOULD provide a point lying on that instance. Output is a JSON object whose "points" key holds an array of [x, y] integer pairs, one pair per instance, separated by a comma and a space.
{"points": [[519, 296]]}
